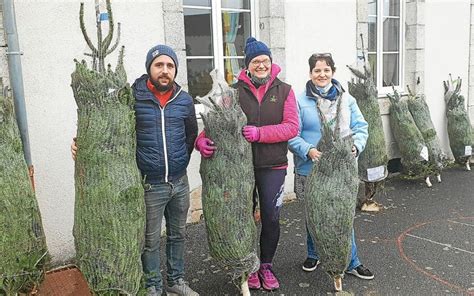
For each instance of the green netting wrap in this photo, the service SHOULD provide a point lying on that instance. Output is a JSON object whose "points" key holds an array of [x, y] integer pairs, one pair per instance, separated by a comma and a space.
{"points": [[459, 126], [330, 198], [228, 182], [23, 252], [373, 160], [109, 220], [421, 115], [413, 150]]}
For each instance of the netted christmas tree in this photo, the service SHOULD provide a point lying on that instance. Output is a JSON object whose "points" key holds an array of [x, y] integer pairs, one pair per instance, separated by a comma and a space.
{"points": [[23, 252], [372, 162], [461, 139], [109, 221], [330, 199], [228, 183], [412, 147], [421, 115]]}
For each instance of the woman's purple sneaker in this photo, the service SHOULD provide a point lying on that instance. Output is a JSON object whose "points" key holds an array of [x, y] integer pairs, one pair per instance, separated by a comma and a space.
{"points": [[268, 278], [254, 281]]}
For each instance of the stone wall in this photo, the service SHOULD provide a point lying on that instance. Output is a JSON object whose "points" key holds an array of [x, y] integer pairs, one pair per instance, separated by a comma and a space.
{"points": [[272, 30], [415, 44], [173, 21]]}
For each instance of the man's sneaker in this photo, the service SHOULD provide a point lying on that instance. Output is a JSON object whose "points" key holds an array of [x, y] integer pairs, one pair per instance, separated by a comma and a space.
{"points": [[361, 272], [310, 264], [254, 281], [152, 291], [180, 289], [269, 281]]}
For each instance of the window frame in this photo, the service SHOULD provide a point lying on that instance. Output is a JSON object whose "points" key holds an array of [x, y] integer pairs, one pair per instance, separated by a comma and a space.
{"points": [[217, 33], [383, 90]]}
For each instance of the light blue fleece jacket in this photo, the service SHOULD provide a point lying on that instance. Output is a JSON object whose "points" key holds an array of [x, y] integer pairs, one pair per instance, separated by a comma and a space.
{"points": [[309, 132]]}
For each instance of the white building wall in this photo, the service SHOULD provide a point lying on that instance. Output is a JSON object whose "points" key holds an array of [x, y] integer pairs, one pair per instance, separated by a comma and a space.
{"points": [[50, 38], [3, 49], [471, 67], [447, 25], [319, 26]]}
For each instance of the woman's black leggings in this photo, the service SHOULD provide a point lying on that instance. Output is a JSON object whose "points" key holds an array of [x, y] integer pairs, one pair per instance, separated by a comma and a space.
{"points": [[269, 188]]}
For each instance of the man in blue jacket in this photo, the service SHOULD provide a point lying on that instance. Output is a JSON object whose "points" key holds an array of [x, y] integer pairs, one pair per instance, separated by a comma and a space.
{"points": [[166, 129]]}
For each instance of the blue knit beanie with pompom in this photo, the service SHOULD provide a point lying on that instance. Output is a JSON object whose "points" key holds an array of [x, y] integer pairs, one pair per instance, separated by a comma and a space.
{"points": [[254, 48]]}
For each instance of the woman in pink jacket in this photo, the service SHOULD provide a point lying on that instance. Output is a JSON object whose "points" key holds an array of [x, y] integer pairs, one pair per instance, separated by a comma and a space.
{"points": [[272, 119]]}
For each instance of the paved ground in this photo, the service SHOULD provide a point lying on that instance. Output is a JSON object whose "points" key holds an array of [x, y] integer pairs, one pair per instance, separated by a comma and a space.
{"points": [[421, 244]]}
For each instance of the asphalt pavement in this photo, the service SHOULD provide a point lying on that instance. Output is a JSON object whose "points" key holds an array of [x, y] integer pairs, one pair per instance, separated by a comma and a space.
{"points": [[422, 243]]}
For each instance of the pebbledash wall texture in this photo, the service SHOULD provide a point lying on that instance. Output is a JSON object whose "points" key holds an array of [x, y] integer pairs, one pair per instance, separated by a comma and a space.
{"points": [[471, 65], [3, 50]]}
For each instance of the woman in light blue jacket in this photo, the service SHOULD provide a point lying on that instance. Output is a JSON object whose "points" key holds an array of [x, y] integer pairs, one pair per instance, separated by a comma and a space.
{"points": [[323, 92]]}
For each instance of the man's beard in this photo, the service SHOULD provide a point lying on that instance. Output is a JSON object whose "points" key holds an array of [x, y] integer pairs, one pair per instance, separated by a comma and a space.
{"points": [[161, 87]]}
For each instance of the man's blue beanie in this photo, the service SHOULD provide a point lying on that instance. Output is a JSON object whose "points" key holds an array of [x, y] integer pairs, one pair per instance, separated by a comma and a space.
{"points": [[158, 50], [254, 48]]}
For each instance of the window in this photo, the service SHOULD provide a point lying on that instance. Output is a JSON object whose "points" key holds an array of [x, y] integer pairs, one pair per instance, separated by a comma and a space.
{"points": [[385, 48], [215, 34]]}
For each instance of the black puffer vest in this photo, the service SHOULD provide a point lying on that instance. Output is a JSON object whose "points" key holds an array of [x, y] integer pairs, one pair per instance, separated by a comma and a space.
{"points": [[269, 112]]}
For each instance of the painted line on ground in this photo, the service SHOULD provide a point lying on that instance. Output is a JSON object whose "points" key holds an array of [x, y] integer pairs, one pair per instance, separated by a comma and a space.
{"points": [[441, 244], [400, 240], [460, 223]]}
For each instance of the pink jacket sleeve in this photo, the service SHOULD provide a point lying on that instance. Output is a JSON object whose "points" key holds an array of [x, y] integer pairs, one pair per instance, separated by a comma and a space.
{"points": [[287, 129]]}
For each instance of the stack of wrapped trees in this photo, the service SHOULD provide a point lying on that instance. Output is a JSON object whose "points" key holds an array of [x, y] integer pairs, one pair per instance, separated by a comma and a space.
{"points": [[412, 147], [23, 252], [330, 199], [421, 115], [373, 160], [460, 131], [227, 184], [109, 221]]}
